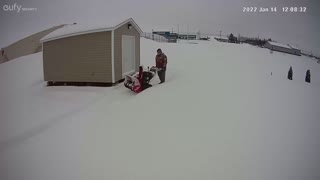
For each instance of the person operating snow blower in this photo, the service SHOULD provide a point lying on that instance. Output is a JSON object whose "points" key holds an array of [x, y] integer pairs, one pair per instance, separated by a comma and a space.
{"points": [[140, 80], [161, 64]]}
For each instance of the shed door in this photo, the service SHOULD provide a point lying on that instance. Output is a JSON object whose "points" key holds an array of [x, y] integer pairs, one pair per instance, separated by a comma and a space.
{"points": [[128, 55]]}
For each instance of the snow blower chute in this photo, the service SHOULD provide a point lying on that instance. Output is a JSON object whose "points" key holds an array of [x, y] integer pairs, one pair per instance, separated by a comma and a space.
{"points": [[140, 80]]}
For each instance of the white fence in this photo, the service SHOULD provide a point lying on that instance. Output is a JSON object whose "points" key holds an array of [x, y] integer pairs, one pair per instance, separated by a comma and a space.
{"points": [[154, 37]]}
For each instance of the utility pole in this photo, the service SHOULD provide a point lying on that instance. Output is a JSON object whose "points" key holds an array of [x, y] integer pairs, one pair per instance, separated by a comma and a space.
{"points": [[178, 34], [152, 35], [188, 32]]}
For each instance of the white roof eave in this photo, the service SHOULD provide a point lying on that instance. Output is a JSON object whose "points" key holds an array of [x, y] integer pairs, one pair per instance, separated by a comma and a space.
{"points": [[75, 34], [133, 22], [279, 45], [93, 31]]}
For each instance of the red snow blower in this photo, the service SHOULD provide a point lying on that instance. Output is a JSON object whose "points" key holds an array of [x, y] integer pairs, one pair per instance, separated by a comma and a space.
{"points": [[140, 80]]}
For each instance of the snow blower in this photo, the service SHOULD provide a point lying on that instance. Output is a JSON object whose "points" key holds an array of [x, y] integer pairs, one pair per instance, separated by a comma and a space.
{"points": [[140, 80]]}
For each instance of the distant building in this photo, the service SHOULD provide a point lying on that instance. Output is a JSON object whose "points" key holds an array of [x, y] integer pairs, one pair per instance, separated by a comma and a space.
{"points": [[205, 38], [154, 37], [232, 38], [242, 39], [274, 46], [172, 37], [202, 37], [187, 36], [297, 51], [222, 39]]}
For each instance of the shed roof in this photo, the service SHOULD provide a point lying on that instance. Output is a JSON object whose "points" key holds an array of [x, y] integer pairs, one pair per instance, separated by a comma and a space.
{"points": [[221, 38], [279, 44], [86, 28], [293, 47]]}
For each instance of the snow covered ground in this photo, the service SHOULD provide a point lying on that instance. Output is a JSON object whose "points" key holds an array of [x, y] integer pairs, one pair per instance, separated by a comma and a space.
{"points": [[220, 115]]}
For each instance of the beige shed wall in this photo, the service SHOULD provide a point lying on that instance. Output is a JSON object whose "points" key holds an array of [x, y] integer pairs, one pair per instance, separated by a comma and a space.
{"points": [[82, 58]]}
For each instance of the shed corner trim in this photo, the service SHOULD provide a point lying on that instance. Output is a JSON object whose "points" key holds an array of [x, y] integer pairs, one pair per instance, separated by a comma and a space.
{"points": [[112, 56]]}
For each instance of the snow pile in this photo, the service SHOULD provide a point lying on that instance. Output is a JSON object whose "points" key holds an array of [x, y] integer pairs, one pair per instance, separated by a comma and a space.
{"points": [[220, 115]]}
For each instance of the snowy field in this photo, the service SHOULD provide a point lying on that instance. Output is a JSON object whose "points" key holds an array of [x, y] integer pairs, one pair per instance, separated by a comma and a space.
{"points": [[220, 115]]}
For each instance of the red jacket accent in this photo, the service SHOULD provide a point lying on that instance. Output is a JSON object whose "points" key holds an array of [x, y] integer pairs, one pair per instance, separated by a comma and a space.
{"points": [[161, 61]]}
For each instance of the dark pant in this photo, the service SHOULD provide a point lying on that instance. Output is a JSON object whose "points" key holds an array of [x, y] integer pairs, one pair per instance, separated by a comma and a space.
{"points": [[162, 75]]}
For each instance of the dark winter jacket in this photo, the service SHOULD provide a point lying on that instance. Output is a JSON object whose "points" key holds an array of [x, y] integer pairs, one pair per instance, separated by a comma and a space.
{"points": [[161, 61]]}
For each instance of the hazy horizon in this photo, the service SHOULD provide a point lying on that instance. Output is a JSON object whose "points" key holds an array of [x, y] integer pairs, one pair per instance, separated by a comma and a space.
{"points": [[206, 16]]}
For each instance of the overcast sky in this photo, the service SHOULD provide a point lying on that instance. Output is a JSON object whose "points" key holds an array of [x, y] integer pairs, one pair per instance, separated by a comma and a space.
{"points": [[207, 16]]}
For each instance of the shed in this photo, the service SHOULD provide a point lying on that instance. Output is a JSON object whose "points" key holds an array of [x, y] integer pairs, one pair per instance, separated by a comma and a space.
{"points": [[296, 50], [282, 48], [97, 54]]}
